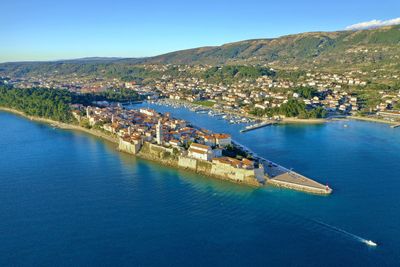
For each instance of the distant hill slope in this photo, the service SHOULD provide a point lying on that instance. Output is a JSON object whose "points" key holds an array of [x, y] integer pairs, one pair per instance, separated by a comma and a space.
{"points": [[342, 50], [314, 48]]}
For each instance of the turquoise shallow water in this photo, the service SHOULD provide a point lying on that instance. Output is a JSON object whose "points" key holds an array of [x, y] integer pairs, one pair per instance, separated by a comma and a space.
{"points": [[67, 198]]}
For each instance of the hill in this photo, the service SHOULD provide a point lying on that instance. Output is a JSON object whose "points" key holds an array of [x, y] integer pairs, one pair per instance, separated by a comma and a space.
{"points": [[341, 50], [325, 49]]}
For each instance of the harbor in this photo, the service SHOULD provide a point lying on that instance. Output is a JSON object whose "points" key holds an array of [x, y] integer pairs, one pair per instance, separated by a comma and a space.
{"points": [[219, 113], [274, 174]]}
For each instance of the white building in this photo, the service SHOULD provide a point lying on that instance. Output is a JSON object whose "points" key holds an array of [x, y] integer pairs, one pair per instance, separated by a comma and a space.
{"points": [[159, 132], [223, 139], [199, 151]]}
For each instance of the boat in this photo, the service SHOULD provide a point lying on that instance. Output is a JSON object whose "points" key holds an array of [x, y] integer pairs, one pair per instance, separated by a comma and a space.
{"points": [[370, 243]]}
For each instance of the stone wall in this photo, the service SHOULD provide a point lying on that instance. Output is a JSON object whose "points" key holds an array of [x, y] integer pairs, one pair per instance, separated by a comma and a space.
{"points": [[128, 147], [170, 157], [222, 171], [299, 187]]}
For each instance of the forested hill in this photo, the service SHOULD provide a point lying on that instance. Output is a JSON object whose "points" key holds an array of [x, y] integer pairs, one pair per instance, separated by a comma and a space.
{"points": [[329, 50], [380, 45]]}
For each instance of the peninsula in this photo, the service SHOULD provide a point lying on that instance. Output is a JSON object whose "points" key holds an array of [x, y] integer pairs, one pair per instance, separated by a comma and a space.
{"points": [[158, 137], [154, 136]]}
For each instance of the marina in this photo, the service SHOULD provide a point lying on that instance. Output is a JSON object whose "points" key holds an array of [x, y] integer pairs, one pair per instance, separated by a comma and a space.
{"points": [[219, 113], [275, 174]]}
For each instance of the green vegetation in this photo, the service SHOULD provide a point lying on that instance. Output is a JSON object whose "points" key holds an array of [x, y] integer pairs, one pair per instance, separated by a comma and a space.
{"points": [[46, 103], [293, 108], [228, 74], [306, 92], [205, 103], [53, 103], [234, 152]]}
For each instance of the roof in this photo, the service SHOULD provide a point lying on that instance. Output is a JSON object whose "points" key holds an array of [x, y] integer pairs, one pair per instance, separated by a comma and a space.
{"points": [[222, 136], [200, 146], [193, 150]]}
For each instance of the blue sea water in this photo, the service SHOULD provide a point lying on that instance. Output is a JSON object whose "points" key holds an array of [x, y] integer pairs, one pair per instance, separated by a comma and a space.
{"points": [[69, 199]]}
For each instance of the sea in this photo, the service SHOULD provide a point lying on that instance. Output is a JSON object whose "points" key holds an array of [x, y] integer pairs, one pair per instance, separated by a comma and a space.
{"points": [[70, 199]]}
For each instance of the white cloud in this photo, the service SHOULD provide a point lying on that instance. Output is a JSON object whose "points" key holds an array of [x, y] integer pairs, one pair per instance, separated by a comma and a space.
{"points": [[373, 24]]}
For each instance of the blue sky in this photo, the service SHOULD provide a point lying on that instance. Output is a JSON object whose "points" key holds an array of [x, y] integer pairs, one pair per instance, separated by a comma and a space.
{"points": [[48, 30]]}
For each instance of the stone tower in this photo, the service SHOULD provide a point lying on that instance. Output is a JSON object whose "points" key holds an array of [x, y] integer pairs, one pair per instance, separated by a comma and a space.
{"points": [[159, 132]]}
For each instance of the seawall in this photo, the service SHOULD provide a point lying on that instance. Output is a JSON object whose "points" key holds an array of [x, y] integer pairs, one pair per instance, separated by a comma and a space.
{"points": [[295, 181], [170, 157]]}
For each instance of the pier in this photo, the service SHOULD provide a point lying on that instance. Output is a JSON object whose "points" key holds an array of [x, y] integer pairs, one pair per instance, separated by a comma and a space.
{"points": [[255, 126], [278, 175], [395, 125]]}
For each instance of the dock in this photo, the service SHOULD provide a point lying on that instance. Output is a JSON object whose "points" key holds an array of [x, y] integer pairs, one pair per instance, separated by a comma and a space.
{"points": [[255, 126], [293, 180], [280, 176]]}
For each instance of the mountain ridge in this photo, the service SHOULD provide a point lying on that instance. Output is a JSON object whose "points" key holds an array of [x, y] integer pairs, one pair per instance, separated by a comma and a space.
{"points": [[346, 49]]}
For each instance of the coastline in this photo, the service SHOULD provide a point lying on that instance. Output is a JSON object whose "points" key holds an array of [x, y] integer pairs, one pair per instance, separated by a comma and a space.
{"points": [[358, 118], [101, 135], [62, 125], [302, 121], [303, 186], [247, 115]]}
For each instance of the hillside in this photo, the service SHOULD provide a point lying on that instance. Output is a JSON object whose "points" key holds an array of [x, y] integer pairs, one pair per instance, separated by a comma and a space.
{"points": [[325, 49], [341, 50]]}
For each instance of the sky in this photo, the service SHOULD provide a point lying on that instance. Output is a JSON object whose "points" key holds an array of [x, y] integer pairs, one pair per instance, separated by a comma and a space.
{"points": [[51, 30]]}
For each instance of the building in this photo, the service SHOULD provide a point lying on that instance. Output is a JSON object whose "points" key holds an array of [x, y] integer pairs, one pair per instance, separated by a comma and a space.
{"points": [[223, 139], [199, 151], [159, 133], [175, 143]]}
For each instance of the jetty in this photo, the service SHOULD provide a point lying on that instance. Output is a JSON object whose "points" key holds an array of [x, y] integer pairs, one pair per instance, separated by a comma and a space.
{"points": [[280, 176], [256, 126]]}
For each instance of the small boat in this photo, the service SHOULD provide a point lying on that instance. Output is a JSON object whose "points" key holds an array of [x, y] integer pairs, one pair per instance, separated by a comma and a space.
{"points": [[370, 243]]}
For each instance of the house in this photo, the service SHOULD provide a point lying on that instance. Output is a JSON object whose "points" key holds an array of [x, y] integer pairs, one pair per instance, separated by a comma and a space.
{"points": [[228, 161], [209, 140], [175, 143], [199, 151], [247, 164], [223, 139], [148, 112]]}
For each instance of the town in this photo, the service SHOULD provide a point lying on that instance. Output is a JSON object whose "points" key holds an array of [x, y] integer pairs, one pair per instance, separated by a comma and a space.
{"points": [[175, 142], [317, 94]]}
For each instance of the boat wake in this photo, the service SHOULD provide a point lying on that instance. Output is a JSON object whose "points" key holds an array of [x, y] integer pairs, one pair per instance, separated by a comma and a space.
{"points": [[356, 237]]}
